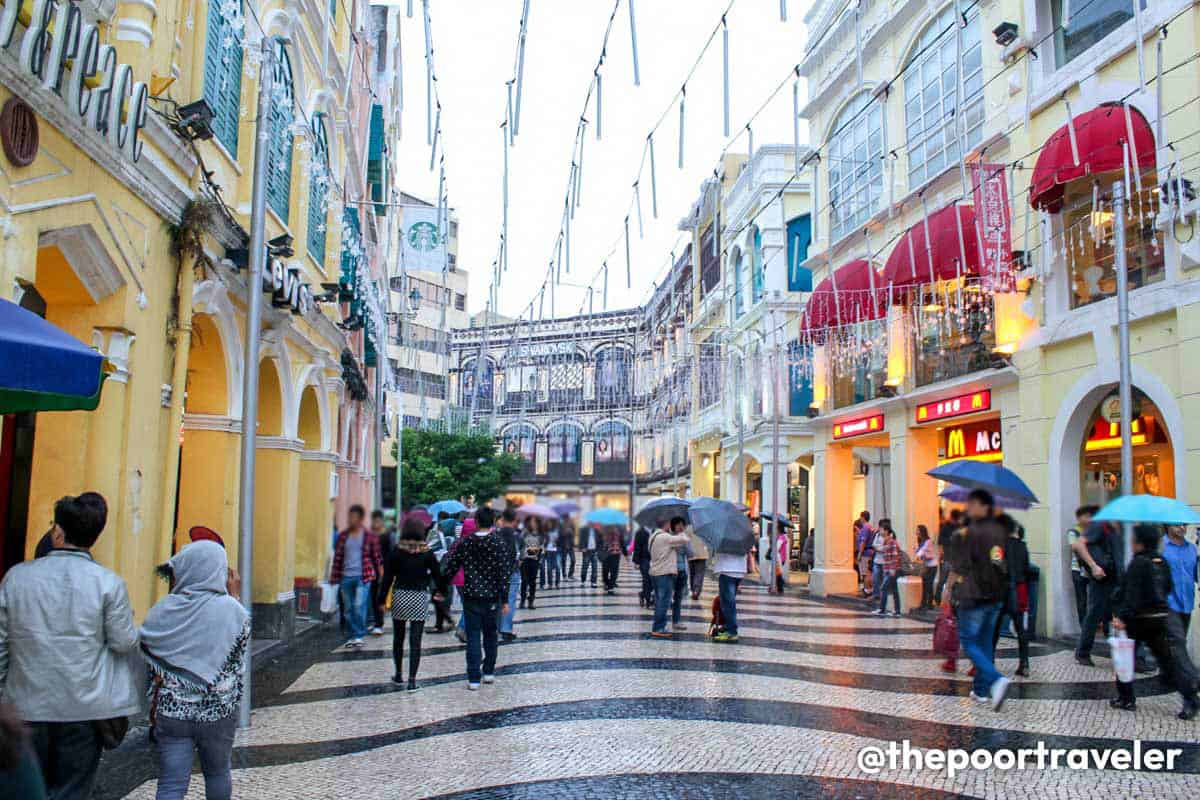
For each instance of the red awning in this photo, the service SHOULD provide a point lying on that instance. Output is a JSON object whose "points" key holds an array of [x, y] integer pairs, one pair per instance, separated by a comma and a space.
{"points": [[912, 263], [1100, 137], [853, 300]]}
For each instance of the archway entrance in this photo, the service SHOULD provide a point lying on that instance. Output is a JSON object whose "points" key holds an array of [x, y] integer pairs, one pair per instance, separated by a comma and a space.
{"points": [[313, 510], [1100, 451]]}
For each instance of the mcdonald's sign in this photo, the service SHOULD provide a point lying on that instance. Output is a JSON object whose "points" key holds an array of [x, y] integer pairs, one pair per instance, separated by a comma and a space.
{"points": [[979, 440], [955, 406], [858, 427]]}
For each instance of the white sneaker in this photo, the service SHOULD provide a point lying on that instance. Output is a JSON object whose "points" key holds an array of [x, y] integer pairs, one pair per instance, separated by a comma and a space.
{"points": [[679, 626], [473, 687], [879, 612], [979, 698], [354, 643], [897, 614], [377, 631], [998, 692], [489, 678]]}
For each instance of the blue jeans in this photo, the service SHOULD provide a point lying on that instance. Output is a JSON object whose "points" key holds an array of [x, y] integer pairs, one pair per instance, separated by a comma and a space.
{"points": [[482, 620], [565, 557], [664, 585], [727, 587], [514, 589], [179, 740], [975, 628], [551, 569], [355, 593], [681, 586], [891, 584], [877, 581], [589, 559]]}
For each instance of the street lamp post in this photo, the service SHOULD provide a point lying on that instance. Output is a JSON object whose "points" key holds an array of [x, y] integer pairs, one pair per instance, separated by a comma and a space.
{"points": [[1125, 390]]}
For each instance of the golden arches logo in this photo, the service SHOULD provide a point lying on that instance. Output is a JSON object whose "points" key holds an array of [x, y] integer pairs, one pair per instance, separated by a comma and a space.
{"points": [[956, 444]]}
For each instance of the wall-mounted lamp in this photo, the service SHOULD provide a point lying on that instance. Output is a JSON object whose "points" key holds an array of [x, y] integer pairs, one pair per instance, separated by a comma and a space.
{"points": [[195, 120], [1005, 33], [705, 461], [281, 246]]}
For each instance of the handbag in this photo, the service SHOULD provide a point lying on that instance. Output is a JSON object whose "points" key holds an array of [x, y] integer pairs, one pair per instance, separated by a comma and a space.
{"points": [[1122, 656], [329, 598], [945, 634]]}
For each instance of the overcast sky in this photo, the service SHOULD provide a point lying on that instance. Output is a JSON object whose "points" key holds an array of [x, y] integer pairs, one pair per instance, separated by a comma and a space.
{"points": [[475, 43]]}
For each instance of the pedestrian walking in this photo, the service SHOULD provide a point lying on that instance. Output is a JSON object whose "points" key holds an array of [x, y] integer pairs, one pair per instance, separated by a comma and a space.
{"points": [[356, 565], [877, 538], [641, 557], [980, 586], [888, 553], [664, 546], [1015, 606], [730, 570], [409, 571], [808, 552], [682, 555], [1180, 555], [487, 565], [439, 545], [68, 639], [783, 552], [1101, 549], [457, 580], [194, 641], [534, 543], [614, 547], [507, 531], [697, 562], [566, 548], [864, 551], [590, 541], [551, 570], [379, 531], [1079, 574], [946, 531], [927, 554]]}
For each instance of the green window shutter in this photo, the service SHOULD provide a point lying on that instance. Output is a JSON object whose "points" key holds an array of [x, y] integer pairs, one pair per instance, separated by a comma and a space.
{"points": [[223, 76], [376, 166], [349, 260], [279, 172], [318, 190]]}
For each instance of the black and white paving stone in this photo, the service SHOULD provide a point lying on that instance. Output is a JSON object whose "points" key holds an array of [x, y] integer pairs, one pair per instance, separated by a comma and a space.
{"points": [[587, 705]]}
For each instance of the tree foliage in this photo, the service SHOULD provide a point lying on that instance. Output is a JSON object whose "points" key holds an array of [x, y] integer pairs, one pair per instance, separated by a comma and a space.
{"points": [[442, 466]]}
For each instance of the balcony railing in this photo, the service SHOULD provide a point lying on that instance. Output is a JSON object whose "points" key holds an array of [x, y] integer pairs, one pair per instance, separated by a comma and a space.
{"points": [[571, 473]]}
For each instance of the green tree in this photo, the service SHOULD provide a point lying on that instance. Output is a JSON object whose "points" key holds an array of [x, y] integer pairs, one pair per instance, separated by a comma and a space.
{"points": [[442, 466]]}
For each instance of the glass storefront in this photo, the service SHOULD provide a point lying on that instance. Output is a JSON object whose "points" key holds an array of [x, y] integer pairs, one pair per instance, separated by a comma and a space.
{"points": [[954, 331], [1100, 457]]}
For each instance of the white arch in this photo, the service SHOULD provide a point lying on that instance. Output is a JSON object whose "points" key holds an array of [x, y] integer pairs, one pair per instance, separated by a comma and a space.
{"points": [[313, 375], [622, 420], [211, 298], [507, 429], [1066, 436], [274, 350], [324, 101], [867, 88], [348, 420]]}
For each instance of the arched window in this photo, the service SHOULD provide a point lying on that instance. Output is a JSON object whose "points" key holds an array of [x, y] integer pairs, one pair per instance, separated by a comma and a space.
{"points": [[855, 164], [756, 265], [737, 283], [612, 441], [931, 91], [520, 440], [614, 373], [564, 441], [223, 70], [318, 189], [283, 99], [487, 380]]}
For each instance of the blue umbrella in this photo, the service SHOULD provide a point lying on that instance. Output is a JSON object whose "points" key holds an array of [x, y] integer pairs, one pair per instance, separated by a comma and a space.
{"points": [[606, 516], [957, 494], [451, 507], [984, 475], [44, 368], [661, 508], [1148, 508], [722, 527]]}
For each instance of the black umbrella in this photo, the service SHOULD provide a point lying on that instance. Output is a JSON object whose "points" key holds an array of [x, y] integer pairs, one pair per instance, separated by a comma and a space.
{"points": [[784, 522], [721, 526], [661, 508]]}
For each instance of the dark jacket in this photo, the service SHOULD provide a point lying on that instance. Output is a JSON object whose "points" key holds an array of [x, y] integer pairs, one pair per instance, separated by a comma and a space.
{"points": [[566, 537], [513, 539], [1144, 589], [1016, 557], [977, 557], [486, 563], [641, 545], [411, 568]]}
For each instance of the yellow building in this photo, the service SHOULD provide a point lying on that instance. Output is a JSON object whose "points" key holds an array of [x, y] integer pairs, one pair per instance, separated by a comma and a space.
{"points": [[135, 241]]}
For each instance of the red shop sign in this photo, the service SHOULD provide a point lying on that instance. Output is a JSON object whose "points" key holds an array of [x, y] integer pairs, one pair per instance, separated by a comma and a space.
{"points": [[955, 406], [857, 427]]}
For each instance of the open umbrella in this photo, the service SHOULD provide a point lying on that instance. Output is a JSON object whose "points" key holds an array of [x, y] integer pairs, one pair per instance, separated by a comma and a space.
{"points": [[537, 510], [44, 368], [566, 508], [1148, 508], [984, 475], [722, 527], [606, 516], [421, 514], [661, 508], [957, 494], [784, 522], [451, 507]]}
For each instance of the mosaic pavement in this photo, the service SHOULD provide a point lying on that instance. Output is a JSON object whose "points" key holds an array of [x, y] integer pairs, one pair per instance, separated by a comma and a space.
{"points": [[587, 705]]}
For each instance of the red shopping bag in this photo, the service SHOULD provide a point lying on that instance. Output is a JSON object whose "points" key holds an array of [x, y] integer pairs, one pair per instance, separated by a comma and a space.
{"points": [[945, 634]]}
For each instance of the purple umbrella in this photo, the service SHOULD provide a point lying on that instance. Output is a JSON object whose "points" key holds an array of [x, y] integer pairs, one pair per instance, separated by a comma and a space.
{"points": [[537, 510], [566, 508]]}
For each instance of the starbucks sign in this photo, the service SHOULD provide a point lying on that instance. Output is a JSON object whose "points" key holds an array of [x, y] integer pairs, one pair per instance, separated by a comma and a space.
{"points": [[423, 236], [424, 246]]}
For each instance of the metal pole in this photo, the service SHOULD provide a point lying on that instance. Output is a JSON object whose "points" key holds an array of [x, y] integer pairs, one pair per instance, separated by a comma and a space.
{"points": [[775, 482], [1126, 386], [379, 412], [258, 257]]}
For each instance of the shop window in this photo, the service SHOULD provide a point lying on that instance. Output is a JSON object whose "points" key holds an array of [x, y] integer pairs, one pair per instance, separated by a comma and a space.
{"points": [[800, 393], [564, 440], [1100, 453], [460, 302], [799, 237], [482, 396], [931, 92], [223, 70], [282, 116], [612, 441], [858, 362], [954, 332], [614, 373], [710, 374], [1087, 24], [1087, 238], [710, 262], [756, 266], [855, 165], [318, 189], [520, 440]]}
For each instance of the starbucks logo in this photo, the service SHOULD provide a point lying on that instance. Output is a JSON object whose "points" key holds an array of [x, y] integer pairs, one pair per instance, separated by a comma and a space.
{"points": [[423, 236]]}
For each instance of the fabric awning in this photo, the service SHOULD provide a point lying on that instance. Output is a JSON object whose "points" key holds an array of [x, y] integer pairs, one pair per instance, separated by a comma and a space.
{"points": [[912, 263], [853, 293], [1100, 138], [44, 368]]}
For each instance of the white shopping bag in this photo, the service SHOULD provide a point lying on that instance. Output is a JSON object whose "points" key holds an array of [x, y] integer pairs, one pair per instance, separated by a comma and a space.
{"points": [[1122, 656], [329, 600]]}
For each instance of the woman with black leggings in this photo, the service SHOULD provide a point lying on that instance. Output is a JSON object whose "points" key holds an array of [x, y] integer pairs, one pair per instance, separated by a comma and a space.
{"points": [[412, 567], [533, 543]]}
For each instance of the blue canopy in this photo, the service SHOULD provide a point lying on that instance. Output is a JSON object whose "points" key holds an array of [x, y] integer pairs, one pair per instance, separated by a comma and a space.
{"points": [[984, 475], [38, 356], [1148, 508], [606, 516]]}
